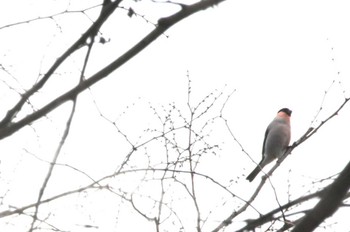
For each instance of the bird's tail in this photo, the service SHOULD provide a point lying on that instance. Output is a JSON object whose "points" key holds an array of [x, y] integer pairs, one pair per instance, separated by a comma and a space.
{"points": [[254, 173]]}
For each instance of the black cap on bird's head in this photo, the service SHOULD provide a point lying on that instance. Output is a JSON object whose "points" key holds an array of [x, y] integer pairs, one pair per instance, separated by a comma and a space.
{"points": [[286, 110]]}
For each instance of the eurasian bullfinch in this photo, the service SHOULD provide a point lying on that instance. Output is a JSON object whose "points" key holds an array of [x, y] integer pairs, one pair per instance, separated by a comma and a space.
{"points": [[276, 141]]}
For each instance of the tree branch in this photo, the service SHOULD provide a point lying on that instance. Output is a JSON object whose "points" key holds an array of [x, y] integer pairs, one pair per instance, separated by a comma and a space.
{"points": [[329, 203], [252, 224]]}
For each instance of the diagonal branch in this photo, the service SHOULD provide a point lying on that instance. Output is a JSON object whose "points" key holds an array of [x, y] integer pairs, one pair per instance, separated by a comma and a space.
{"points": [[329, 203], [60, 146], [52, 165], [270, 216]]}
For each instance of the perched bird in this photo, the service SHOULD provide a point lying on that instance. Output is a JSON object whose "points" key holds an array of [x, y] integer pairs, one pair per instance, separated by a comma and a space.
{"points": [[276, 141]]}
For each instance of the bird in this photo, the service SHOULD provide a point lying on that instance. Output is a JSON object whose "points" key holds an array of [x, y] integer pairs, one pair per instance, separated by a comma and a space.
{"points": [[276, 141]]}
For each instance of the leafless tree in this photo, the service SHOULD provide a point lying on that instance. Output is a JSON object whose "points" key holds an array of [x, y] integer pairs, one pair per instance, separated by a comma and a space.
{"points": [[158, 173]]}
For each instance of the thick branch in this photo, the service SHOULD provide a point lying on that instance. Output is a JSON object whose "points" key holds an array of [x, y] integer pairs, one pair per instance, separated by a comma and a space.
{"points": [[328, 204], [252, 224]]}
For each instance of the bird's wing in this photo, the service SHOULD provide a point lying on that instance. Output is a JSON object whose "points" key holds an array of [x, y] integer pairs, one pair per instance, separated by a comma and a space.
{"points": [[266, 133]]}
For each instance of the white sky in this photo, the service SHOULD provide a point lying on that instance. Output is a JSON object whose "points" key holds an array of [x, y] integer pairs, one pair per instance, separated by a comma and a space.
{"points": [[273, 53]]}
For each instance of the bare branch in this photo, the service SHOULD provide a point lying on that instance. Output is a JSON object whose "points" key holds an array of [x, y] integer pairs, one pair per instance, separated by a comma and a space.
{"points": [[52, 165], [251, 224]]}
